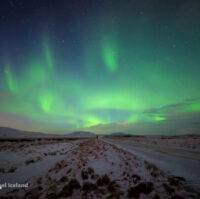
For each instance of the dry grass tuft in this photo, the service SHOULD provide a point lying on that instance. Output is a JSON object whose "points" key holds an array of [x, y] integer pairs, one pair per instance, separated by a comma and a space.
{"points": [[144, 187]]}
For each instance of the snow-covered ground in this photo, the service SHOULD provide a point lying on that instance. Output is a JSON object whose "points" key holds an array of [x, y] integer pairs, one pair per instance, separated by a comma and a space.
{"points": [[19, 161], [172, 156], [187, 142], [97, 169]]}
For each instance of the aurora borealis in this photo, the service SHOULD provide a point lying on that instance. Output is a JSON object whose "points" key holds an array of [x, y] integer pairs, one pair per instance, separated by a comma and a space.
{"points": [[68, 65]]}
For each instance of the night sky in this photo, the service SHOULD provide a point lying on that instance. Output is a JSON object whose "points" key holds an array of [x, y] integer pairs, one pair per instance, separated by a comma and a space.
{"points": [[86, 64]]}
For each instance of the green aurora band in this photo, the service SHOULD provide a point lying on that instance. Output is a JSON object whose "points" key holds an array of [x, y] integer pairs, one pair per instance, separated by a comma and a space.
{"points": [[118, 75], [43, 95]]}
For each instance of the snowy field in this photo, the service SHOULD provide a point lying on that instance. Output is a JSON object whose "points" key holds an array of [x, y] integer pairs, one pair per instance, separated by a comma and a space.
{"points": [[105, 168], [177, 156]]}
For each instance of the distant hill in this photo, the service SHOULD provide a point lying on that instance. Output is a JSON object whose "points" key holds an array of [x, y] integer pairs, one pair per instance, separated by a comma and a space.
{"points": [[119, 134], [82, 134], [6, 132]]}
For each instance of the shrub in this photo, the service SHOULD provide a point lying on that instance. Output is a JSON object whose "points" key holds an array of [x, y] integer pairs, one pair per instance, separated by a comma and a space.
{"points": [[168, 188], [113, 187], [144, 187], [84, 174], [88, 186], [176, 180], [103, 180], [64, 179], [136, 178], [68, 189], [90, 170]]}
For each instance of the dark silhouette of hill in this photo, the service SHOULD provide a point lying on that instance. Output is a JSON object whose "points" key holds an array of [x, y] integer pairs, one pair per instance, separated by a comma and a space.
{"points": [[10, 132], [82, 133]]}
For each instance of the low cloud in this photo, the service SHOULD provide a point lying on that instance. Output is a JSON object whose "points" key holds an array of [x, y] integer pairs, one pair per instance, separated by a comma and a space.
{"points": [[171, 108]]}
